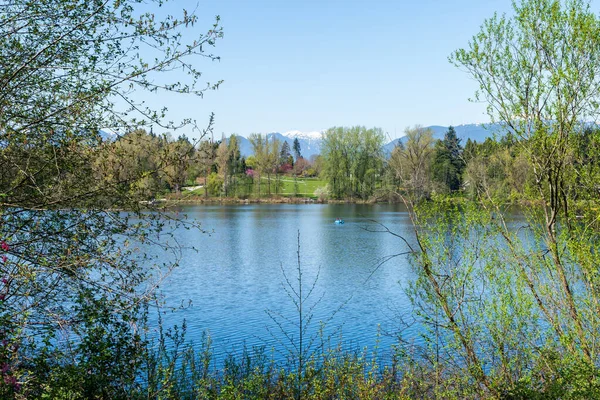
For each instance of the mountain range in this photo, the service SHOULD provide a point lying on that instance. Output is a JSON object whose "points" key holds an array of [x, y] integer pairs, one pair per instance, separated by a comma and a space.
{"points": [[310, 142]]}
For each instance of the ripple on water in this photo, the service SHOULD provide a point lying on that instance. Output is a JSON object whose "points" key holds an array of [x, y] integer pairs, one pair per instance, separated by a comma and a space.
{"points": [[236, 276]]}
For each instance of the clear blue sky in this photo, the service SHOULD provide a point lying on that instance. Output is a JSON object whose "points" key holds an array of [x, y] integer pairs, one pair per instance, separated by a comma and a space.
{"points": [[313, 64]]}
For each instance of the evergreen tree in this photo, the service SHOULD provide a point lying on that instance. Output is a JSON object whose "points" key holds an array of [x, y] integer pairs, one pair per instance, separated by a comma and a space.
{"points": [[448, 164], [296, 147], [284, 155]]}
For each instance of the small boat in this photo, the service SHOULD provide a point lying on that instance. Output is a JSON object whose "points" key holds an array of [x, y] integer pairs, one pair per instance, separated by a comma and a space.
{"points": [[339, 221]]}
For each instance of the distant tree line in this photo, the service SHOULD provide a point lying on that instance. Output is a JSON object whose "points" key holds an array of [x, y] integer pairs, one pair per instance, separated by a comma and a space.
{"points": [[352, 165], [146, 165], [498, 168]]}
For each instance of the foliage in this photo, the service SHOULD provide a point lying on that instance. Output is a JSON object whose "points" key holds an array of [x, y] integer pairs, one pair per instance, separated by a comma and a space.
{"points": [[517, 306], [352, 158], [285, 157], [73, 288], [296, 148], [178, 157], [205, 160], [322, 193], [448, 163], [301, 167], [418, 166], [260, 161], [411, 162], [229, 165], [214, 184], [499, 172]]}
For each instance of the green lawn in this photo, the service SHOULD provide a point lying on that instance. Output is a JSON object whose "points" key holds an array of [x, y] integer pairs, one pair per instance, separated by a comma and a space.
{"points": [[306, 186]]}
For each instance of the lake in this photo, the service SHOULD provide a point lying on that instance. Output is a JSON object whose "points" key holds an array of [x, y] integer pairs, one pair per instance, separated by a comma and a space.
{"points": [[236, 276]]}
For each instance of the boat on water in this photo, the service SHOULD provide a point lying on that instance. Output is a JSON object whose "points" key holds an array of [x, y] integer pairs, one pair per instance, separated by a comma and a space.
{"points": [[339, 221]]}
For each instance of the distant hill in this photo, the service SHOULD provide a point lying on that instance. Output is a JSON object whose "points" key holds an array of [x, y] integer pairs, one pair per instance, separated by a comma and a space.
{"points": [[475, 132], [310, 142], [108, 136]]}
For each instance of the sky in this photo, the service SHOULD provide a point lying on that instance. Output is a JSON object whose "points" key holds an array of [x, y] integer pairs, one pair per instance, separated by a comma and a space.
{"points": [[313, 64]]}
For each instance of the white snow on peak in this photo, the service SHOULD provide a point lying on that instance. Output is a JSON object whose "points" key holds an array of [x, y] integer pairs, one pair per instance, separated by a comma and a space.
{"points": [[304, 135]]}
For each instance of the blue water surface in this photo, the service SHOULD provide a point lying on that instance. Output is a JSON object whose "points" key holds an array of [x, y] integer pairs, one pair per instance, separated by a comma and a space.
{"points": [[235, 276]]}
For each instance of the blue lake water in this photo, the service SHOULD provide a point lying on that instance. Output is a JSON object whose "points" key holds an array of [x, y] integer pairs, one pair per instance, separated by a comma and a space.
{"points": [[235, 276]]}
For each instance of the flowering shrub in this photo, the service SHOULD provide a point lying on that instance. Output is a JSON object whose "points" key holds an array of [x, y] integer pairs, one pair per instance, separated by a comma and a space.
{"points": [[285, 168]]}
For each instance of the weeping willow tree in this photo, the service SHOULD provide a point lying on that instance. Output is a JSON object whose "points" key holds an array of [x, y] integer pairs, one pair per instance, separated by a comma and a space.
{"points": [[513, 303], [352, 160], [72, 290]]}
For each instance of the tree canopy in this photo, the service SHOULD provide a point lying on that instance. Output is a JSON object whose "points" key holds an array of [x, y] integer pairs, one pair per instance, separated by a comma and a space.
{"points": [[448, 164], [539, 74], [69, 69], [519, 304], [352, 158]]}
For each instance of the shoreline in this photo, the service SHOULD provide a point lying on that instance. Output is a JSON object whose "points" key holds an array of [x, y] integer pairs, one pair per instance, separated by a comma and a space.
{"points": [[172, 200]]}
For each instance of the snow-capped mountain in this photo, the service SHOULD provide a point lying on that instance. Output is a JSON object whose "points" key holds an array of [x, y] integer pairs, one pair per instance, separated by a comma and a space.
{"points": [[315, 135], [310, 142]]}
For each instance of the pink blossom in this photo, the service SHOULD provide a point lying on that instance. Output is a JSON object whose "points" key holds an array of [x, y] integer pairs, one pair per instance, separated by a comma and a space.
{"points": [[285, 167], [4, 246]]}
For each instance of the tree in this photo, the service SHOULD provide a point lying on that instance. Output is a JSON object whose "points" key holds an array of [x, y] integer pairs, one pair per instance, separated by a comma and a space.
{"points": [[541, 82], [470, 150], [448, 163], [235, 162], [534, 330], [260, 149], [316, 160], [498, 170], [222, 161], [284, 155], [206, 155], [178, 156], [296, 148], [587, 163], [135, 158], [352, 158], [412, 161], [272, 162], [301, 166], [67, 70]]}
